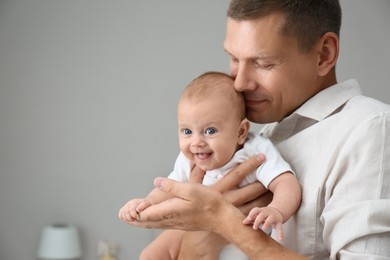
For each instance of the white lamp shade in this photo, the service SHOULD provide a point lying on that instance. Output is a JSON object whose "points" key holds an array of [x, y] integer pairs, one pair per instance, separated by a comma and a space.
{"points": [[59, 241]]}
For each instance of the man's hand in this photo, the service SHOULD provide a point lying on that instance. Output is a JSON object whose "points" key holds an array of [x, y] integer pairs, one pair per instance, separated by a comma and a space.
{"points": [[208, 245], [193, 202], [245, 198]]}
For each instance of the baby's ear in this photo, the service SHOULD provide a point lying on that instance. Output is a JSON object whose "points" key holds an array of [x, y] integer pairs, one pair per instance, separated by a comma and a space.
{"points": [[243, 131]]}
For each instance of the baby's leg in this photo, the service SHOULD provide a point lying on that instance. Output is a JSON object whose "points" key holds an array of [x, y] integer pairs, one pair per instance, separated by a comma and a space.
{"points": [[165, 247]]}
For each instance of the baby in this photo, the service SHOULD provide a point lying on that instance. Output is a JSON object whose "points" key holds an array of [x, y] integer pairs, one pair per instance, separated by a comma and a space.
{"points": [[214, 136]]}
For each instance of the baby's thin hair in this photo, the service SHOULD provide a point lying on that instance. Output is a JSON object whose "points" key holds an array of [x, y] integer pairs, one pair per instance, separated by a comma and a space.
{"points": [[214, 84]]}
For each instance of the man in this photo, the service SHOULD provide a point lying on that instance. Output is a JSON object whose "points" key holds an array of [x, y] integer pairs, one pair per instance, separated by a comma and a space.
{"points": [[283, 56]]}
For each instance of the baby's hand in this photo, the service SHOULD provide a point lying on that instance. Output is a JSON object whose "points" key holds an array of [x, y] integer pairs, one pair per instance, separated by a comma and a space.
{"points": [[129, 212], [267, 216]]}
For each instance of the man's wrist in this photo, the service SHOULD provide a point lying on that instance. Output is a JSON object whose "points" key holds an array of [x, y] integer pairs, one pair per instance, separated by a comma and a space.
{"points": [[254, 243]]}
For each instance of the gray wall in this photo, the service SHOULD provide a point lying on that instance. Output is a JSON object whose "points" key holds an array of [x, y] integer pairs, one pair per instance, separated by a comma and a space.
{"points": [[88, 93]]}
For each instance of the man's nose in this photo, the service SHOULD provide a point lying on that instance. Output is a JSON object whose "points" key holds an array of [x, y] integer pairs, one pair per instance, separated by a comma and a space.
{"points": [[244, 78]]}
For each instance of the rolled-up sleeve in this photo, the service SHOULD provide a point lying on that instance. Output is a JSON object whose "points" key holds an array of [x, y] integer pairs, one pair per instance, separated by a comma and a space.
{"points": [[356, 216]]}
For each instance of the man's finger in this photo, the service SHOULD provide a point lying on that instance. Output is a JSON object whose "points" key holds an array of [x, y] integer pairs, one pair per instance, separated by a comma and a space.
{"points": [[261, 201], [245, 194], [233, 178], [196, 175], [181, 190], [156, 213], [166, 185]]}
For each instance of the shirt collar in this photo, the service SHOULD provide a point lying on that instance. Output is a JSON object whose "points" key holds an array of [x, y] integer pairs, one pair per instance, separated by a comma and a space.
{"points": [[329, 100], [316, 109]]}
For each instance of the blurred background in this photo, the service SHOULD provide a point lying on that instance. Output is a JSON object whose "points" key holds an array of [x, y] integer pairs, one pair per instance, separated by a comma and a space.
{"points": [[88, 94]]}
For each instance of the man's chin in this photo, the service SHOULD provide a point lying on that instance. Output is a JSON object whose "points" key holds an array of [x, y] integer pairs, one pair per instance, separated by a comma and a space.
{"points": [[259, 118]]}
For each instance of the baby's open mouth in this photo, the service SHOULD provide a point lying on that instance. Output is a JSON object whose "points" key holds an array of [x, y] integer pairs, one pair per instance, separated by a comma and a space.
{"points": [[203, 156]]}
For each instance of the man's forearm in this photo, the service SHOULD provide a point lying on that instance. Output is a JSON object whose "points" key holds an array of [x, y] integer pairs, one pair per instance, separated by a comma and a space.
{"points": [[201, 245], [254, 243]]}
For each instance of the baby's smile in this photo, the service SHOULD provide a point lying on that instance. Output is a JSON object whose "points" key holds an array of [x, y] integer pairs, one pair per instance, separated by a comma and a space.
{"points": [[203, 156]]}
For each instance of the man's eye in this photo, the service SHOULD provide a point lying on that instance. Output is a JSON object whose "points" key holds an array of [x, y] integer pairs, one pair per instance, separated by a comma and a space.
{"points": [[210, 131], [233, 60], [264, 66], [267, 67], [187, 131]]}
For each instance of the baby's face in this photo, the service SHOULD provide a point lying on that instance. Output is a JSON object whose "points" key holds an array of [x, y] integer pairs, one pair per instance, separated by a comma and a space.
{"points": [[209, 132]]}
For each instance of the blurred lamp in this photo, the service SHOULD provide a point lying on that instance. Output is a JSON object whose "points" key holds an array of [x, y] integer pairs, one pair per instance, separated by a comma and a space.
{"points": [[59, 241]]}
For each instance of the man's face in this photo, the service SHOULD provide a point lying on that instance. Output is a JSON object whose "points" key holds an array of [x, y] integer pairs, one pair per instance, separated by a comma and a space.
{"points": [[273, 74]]}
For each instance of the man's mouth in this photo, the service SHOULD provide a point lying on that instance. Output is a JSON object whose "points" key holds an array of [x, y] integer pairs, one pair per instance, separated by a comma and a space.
{"points": [[251, 103]]}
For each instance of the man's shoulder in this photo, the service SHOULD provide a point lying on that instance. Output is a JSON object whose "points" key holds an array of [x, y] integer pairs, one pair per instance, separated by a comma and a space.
{"points": [[368, 107], [362, 114]]}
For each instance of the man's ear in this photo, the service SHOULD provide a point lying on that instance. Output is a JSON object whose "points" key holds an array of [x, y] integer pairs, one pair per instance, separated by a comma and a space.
{"points": [[328, 49], [243, 131]]}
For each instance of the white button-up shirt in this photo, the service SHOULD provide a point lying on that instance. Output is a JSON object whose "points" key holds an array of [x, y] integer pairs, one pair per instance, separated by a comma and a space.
{"points": [[338, 144]]}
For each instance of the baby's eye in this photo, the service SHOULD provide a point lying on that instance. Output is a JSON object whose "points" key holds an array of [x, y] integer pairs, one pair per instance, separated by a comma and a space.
{"points": [[211, 131], [187, 131]]}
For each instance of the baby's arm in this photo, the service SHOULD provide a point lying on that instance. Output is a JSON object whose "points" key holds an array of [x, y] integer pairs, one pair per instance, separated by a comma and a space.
{"points": [[285, 202], [129, 212]]}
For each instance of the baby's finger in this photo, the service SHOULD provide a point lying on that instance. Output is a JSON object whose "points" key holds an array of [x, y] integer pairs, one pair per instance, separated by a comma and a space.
{"points": [[124, 214], [132, 215], [279, 228], [258, 221], [254, 212], [120, 215], [247, 221], [269, 222]]}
